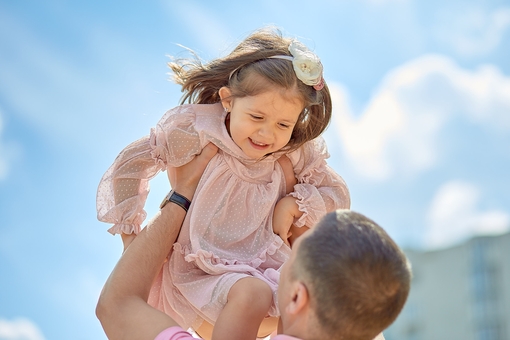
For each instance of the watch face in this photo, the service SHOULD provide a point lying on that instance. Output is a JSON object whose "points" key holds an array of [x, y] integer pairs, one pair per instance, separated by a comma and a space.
{"points": [[166, 199]]}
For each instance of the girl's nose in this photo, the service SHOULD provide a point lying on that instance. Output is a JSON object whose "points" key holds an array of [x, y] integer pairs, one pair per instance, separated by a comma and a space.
{"points": [[265, 132]]}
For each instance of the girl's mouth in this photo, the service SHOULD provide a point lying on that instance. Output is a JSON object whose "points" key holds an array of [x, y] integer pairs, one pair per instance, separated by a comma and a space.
{"points": [[258, 145]]}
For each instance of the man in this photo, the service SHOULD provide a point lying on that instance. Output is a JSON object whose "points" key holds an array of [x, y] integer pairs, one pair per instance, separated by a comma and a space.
{"points": [[346, 278]]}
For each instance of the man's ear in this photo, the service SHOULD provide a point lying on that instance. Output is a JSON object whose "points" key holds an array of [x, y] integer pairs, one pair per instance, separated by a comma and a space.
{"points": [[226, 98], [299, 298]]}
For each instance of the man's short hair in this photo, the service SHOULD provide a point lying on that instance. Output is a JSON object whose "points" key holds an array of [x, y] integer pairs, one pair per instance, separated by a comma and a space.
{"points": [[358, 277]]}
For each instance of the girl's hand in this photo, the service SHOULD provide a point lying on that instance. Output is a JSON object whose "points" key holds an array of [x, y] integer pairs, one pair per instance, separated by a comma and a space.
{"points": [[285, 211]]}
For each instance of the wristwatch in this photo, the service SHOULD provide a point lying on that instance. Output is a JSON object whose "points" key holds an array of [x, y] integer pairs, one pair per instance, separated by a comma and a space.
{"points": [[176, 198]]}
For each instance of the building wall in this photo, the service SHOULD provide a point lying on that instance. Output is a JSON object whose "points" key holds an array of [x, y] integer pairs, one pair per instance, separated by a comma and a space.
{"points": [[462, 292]]}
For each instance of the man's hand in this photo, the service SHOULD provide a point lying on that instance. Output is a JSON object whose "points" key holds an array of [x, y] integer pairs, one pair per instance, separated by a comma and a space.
{"points": [[184, 179]]}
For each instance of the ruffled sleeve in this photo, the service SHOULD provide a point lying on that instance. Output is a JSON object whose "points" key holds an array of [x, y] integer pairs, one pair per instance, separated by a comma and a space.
{"points": [[175, 140], [320, 189], [123, 190]]}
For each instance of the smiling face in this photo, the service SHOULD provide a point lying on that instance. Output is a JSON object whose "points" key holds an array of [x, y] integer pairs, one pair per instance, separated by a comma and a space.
{"points": [[263, 123]]}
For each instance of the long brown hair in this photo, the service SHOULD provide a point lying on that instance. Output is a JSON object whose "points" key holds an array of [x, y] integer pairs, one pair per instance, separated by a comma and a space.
{"points": [[201, 82]]}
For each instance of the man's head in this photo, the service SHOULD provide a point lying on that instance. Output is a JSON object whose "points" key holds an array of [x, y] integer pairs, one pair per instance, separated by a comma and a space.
{"points": [[346, 279]]}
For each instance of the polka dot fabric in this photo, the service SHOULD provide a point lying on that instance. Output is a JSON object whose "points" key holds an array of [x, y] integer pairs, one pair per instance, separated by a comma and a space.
{"points": [[227, 234]]}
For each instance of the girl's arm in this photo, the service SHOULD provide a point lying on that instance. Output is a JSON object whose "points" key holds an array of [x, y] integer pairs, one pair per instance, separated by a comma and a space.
{"points": [[286, 210], [319, 189], [123, 190]]}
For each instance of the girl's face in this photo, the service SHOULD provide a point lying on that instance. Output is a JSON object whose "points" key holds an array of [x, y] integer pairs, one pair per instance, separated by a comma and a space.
{"points": [[262, 124]]}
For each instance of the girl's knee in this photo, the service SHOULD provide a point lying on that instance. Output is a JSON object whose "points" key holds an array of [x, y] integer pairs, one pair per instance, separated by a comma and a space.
{"points": [[251, 293]]}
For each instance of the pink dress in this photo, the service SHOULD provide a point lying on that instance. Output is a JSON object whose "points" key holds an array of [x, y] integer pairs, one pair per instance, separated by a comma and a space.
{"points": [[227, 234]]}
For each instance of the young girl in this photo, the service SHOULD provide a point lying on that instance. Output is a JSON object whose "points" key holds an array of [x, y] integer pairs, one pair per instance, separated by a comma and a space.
{"points": [[264, 100]]}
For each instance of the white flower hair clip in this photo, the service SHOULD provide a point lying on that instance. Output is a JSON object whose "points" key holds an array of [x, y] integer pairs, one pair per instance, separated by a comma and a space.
{"points": [[307, 65]]}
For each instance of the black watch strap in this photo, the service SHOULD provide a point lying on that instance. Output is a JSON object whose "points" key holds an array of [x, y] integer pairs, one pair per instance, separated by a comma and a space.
{"points": [[176, 198]]}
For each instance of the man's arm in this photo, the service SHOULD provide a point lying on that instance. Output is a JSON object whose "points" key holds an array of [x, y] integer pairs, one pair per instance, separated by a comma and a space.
{"points": [[122, 307]]}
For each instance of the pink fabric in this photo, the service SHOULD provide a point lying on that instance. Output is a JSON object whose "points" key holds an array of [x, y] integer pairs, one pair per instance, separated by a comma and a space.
{"points": [[177, 333], [227, 234], [174, 333], [284, 337]]}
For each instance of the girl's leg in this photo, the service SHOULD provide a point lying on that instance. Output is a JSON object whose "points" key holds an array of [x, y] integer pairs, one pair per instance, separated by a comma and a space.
{"points": [[248, 302]]}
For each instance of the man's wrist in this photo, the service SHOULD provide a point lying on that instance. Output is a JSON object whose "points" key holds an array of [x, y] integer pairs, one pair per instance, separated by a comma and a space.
{"points": [[185, 191], [176, 198]]}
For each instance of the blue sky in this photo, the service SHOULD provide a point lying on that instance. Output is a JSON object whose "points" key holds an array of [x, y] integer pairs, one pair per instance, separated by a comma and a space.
{"points": [[421, 128]]}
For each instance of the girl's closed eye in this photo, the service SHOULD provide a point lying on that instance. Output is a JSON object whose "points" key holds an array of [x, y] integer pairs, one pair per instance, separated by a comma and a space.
{"points": [[256, 117], [284, 125]]}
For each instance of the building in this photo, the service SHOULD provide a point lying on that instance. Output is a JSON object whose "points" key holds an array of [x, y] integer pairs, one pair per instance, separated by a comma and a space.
{"points": [[459, 293]]}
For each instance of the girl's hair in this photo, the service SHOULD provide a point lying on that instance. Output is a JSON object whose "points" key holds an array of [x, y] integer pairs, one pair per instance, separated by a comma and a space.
{"points": [[247, 71]]}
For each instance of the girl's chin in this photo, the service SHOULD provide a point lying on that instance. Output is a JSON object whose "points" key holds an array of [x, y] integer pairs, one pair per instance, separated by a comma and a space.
{"points": [[255, 154]]}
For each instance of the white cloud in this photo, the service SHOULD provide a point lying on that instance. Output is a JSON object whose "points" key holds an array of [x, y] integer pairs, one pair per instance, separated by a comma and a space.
{"points": [[473, 31], [364, 140], [454, 215], [397, 132], [19, 329]]}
